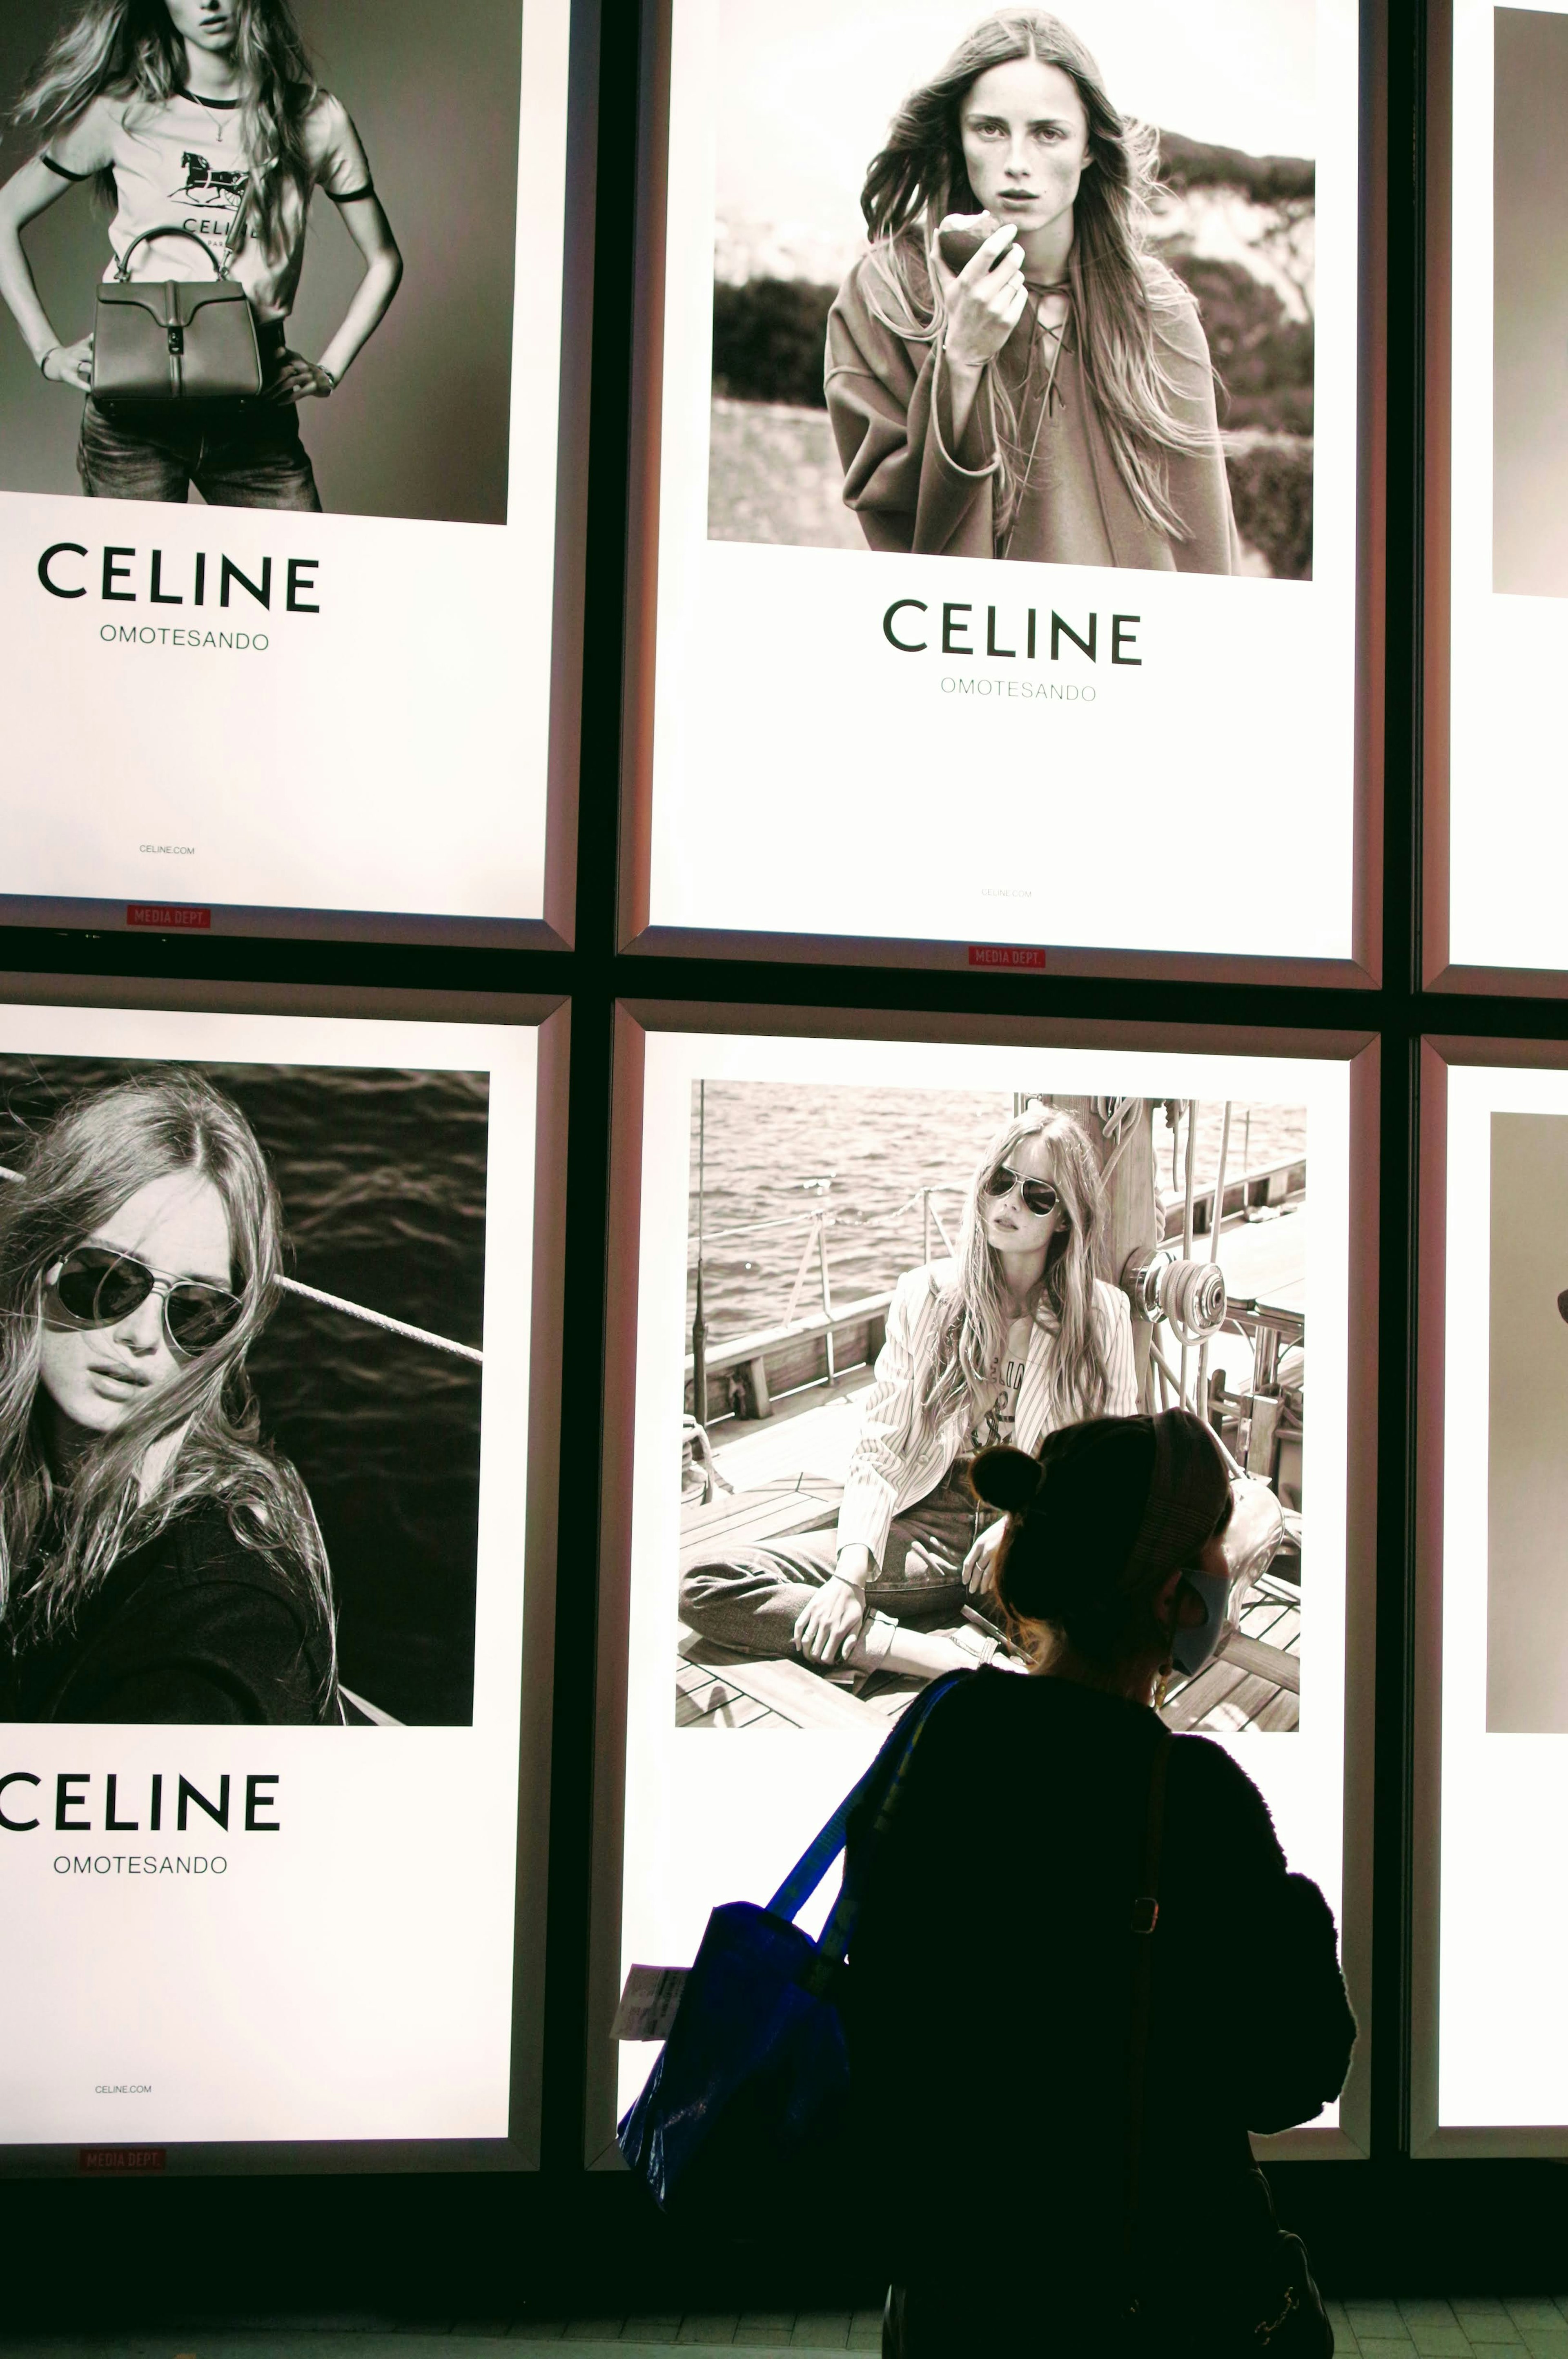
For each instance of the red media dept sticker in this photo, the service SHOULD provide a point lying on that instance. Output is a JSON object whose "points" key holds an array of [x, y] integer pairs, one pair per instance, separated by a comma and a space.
{"points": [[168, 921], [1011, 956], [111, 2161]]}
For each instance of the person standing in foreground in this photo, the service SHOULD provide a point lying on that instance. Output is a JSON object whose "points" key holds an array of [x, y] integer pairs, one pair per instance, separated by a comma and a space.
{"points": [[991, 1981], [1012, 370], [203, 116]]}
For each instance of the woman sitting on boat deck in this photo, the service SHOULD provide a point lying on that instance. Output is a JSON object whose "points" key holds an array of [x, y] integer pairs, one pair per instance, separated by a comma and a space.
{"points": [[158, 1562], [1053, 398], [1016, 1338]]}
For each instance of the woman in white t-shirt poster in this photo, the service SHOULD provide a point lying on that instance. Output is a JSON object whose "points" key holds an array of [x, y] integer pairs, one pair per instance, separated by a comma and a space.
{"points": [[1015, 1336], [203, 116]]}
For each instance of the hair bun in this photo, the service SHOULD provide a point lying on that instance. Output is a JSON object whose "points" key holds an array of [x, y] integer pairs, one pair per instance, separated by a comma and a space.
{"points": [[1005, 1477]]}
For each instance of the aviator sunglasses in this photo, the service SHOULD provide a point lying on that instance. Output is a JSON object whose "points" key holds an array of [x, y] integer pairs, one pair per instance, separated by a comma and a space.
{"points": [[97, 1287], [1038, 1195]]}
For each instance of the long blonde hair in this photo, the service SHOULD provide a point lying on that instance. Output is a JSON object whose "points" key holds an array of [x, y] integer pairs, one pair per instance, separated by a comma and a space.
{"points": [[129, 49], [1121, 292], [59, 1537], [972, 1321]]}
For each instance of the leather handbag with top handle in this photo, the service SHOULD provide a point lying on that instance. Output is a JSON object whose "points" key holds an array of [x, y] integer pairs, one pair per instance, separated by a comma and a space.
{"points": [[175, 340]]}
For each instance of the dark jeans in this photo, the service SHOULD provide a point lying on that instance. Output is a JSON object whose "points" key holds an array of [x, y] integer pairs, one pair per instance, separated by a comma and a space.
{"points": [[239, 454], [750, 1600]]}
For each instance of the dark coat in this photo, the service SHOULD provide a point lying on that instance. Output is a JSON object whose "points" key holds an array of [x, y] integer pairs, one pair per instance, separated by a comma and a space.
{"points": [[191, 1629], [991, 1991]]}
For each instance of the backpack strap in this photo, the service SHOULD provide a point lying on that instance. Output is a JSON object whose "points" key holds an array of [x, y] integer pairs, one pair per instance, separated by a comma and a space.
{"points": [[885, 1776], [1145, 1917]]}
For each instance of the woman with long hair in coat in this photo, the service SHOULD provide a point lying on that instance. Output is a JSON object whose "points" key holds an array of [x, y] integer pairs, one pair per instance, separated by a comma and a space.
{"points": [[1012, 370]]}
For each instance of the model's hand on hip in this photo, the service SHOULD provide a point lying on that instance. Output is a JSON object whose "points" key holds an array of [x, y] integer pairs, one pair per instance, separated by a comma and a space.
{"points": [[70, 365], [979, 1565], [826, 1628], [299, 379], [983, 305]]}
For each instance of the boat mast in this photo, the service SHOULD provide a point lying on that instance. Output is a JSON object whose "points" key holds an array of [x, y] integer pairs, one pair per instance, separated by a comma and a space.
{"points": [[699, 1324]]}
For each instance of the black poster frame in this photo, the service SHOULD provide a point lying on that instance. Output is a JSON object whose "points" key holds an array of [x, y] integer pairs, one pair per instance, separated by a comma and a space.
{"points": [[549, 1017]]}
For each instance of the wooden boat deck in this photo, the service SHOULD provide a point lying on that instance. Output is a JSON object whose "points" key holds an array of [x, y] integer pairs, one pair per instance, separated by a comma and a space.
{"points": [[1254, 1684]]}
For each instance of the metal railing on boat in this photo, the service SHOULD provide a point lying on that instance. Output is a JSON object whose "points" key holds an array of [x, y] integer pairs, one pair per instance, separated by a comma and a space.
{"points": [[801, 1352]]}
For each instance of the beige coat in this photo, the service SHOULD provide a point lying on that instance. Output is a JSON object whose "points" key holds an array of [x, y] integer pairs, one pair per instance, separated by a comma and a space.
{"points": [[887, 1472], [888, 396]]}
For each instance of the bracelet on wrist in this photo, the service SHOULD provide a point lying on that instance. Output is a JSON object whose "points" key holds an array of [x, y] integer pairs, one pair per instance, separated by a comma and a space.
{"points": [[45, 358]]}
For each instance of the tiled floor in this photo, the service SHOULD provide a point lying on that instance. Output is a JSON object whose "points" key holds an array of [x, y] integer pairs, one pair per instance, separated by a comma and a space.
{"points": [[1484, 2326]]}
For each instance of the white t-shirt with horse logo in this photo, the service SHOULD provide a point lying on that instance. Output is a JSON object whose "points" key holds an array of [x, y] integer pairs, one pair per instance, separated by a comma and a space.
{"points": [[181, 164]]}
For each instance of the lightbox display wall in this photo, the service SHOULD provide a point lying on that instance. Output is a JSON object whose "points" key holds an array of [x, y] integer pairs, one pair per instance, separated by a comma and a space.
{"points": [[1496, 573], [855, 769], [778, 1195], [251, 701], [1493, 2062], [274, 1844], [970, 649]]}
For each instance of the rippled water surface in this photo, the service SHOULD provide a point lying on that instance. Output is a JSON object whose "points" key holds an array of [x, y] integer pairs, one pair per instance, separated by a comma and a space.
{"points": [[383, 1180], [774, 1153]]}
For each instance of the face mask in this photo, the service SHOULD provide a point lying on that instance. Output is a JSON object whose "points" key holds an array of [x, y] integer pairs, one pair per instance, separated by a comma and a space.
{"points": [[1248, 1545], [1195, 1644]]}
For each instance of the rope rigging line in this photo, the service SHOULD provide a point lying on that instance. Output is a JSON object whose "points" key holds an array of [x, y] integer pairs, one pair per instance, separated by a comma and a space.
{"points": [[380, 1319]]}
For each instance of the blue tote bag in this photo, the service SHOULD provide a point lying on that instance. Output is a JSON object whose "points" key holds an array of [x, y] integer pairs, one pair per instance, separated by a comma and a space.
{"points": [[750, 2095]]}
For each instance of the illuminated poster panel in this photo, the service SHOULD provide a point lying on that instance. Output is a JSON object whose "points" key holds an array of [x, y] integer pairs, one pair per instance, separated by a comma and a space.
{"points": [[277, 1601], [802, 1202], [291, 653], [1016, 607], [1492, 2049], [1500, 219]]}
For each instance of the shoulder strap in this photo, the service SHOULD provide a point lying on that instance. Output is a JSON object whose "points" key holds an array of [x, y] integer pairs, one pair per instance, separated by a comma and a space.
{"points": [[884, 1776], [1145, 1917]]}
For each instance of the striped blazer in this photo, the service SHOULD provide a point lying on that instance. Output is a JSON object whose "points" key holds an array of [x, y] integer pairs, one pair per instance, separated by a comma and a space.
{"points": [[887, 1472]]}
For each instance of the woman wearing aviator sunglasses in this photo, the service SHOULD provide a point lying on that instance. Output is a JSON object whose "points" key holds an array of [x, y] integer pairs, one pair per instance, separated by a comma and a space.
{"points": [[1016, 1337], [156, 1562]]}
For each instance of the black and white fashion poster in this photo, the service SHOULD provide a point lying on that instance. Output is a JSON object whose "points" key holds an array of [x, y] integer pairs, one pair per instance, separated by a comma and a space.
{"points": [[1502, 1745], [1526, 1599], [281, 293], [1508, 583], [895, 1255], [261, 1578], [1009, 435]]}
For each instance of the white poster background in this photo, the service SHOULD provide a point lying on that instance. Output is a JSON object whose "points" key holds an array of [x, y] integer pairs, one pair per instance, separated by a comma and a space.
{"points": [[349, 1977], [386, 753], [1507, 823], [810, 778], [1502, 2042], [715, 1815]]}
